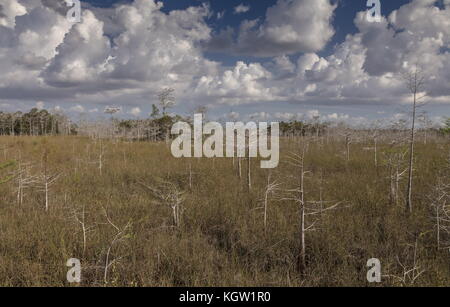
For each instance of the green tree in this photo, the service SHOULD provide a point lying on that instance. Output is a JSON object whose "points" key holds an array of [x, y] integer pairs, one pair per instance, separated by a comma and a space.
{"points": [[155, 111]]}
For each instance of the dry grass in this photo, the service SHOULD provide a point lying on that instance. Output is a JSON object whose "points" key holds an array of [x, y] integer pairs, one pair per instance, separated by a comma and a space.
{"points": [[220, 240]]}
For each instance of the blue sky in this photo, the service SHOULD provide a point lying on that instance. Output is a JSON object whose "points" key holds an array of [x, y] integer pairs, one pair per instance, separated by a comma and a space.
{"points": [[342, 21], [275, 59]]}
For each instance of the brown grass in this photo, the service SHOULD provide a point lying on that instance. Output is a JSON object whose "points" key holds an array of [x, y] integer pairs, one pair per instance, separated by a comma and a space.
{"points": [[221, 239]]}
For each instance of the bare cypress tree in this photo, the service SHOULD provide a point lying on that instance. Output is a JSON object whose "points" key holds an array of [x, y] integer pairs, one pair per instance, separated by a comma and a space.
{"points": [[307, 208], [79, 214], [348, 135], [439, 200], [120, 235], [166, 99], [168, 194], [415, 81], [427, 125], [24, 179], [269, 189], [374, 134], [47, 179]]}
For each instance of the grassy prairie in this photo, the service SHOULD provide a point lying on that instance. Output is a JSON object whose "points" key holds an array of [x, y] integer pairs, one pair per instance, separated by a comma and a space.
{"points": [[220, 238]]}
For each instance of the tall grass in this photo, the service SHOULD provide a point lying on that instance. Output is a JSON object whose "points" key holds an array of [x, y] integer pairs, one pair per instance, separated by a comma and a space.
{"points": [[220, 239]]}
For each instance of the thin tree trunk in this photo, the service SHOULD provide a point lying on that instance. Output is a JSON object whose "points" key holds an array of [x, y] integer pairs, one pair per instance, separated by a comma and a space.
{"points": [[302, 256], [375, 149], [249, 175], [265, 207], [411, 161], [239, 167], [438, 229], [46, 194], [190, 175]]}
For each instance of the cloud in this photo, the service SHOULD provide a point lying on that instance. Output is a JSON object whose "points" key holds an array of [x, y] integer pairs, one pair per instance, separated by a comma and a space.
{"points": [[287, 116], [260, 116], [337, 117], [289, 27], [40, 105], [78, 108], [313, 114], [417, 33], [2, 14], [138, 48], [241, 8], [82, 57], [9, 10], [135, 111], [233, 115], [58, 6], [241, 83], [125, 54]]}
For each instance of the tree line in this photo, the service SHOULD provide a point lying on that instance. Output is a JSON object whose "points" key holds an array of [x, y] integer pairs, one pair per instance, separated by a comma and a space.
{"points": [[35, 123]]}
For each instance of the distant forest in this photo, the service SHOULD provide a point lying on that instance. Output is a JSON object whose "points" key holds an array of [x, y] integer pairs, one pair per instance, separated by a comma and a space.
{"points": [[38, 122], [35, 122]]}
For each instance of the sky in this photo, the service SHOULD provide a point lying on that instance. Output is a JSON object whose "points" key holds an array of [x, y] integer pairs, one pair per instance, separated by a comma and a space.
{"points": [[243, 60]]}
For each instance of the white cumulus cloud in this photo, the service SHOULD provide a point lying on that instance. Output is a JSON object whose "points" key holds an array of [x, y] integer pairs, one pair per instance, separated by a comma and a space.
{"points": [[241, 8]]}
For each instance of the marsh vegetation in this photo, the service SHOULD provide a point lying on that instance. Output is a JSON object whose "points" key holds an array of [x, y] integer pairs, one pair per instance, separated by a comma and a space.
{"points": [[136, 216]]}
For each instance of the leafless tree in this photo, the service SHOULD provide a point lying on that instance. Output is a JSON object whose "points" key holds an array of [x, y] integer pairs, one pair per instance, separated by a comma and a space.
{"points": [[249, 173], [271, 187], [395, 159], [239, 167], [111, 111], [440, 204], [426, 124], [415, 82], [249, 161], [101, 156], [411, 269], [153, 132], [24, 179], [47, 179], [79, 214], [120, 234], [306, 207], [166, 99], [374, 132], [168, 194], [348, 136], [191, 175], [298, 160], [316, 122]]}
